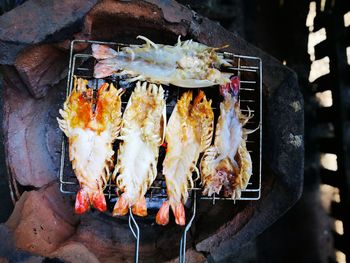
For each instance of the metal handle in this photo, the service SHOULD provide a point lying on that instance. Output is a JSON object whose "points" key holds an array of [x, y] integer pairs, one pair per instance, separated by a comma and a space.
{"points": [[134, 226], [182, 254]]}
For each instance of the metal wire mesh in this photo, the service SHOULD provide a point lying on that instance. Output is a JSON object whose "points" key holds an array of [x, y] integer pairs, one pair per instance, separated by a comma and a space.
{"points": [[249, 69]]}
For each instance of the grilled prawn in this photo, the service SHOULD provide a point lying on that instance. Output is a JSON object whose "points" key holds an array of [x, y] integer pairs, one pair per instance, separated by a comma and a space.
{"points": [[142, 133], [227, 164], [187, 64], [189, 132], [91, 134]]}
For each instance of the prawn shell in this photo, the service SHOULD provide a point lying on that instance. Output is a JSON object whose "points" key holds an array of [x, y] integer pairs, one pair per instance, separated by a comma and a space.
{"points": [[142, 132], [187, 64], [90, 135]]}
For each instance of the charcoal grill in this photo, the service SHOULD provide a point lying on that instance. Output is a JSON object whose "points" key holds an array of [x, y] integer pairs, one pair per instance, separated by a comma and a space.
{"points": [[248, 68]]}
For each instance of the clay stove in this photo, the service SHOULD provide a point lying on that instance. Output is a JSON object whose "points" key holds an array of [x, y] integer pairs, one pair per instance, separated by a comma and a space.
{"points": [[35, 57]]}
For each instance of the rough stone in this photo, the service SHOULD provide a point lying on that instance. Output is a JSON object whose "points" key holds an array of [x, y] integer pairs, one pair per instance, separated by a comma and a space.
{"points": [[42, 221], [171, 9], [192, 256], [39, 20], [76, 253], [40, 67], [31, 134], [133, 18], [8, 251]]}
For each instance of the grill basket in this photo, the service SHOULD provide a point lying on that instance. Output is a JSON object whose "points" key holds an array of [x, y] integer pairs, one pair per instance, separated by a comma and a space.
{"points": [[248, 68]]}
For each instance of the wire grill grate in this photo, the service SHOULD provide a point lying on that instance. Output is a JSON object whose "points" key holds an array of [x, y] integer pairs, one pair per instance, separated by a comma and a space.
{"points": [[249, 69]]}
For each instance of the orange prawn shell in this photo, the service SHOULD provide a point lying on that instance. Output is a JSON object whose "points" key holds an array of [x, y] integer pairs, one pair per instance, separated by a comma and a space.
{"points": [[189, 132], [91, 134]]}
